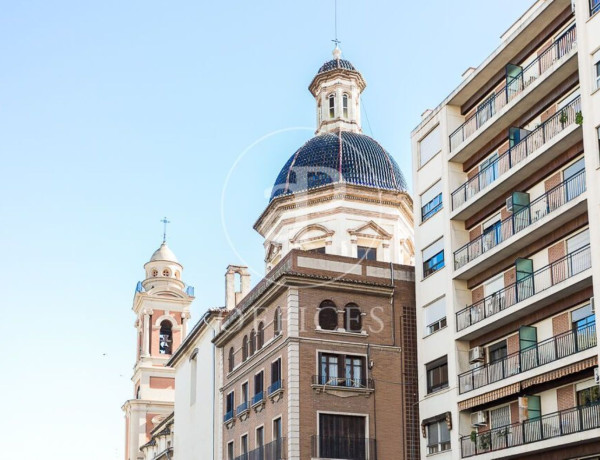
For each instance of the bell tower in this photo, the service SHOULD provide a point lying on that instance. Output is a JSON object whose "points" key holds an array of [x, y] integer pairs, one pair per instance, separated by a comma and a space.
{"points": [[162, 308]]}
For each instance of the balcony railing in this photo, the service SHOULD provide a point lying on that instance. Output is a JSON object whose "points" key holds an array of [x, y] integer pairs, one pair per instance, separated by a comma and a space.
{"points": [[561, 423], [258, 397], [540, 280], [273, 451], [594, 7], [514, 155], [228, 416], [514, 87], [345, 382], [545, 352], [343, 447], [275, 386], [242, 408], [538, 209]]}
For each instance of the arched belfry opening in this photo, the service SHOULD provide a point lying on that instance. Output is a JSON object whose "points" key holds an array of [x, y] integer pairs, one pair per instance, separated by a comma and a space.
{"points": [[165, 341]]}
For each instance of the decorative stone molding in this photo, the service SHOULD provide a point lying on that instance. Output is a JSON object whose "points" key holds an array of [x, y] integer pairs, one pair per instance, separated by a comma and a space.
{"points": [[230, 423], [259, 406], [244, 415], [342, 392], [276, 396]]}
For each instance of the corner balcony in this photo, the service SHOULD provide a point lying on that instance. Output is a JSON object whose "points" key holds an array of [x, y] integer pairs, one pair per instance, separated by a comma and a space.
{"points": [[539, 147], [273, 451], [545, 214], [343, 448], [544, 286], [545, 352], [566, 424], [517, 96]]}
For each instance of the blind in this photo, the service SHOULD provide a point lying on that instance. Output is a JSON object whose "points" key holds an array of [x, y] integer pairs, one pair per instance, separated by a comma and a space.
{"points": [[431, 193], [434, 312], [578, 241], [430, 145], [432, 250]]}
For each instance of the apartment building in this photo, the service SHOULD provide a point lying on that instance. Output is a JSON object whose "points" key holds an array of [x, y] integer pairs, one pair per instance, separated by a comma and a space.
{"points": [[507, 196]]}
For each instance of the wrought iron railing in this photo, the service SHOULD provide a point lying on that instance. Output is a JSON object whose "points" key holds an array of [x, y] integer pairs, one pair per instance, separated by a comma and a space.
{"points": [[429, 209], [514, 87], [545, 352], [514, 155], [556, 424], [348, 448], [521, 219], [258, 397], [278, 385], [242, 408], [540, 280], [346, 382], [275, 450], [228, 416]]}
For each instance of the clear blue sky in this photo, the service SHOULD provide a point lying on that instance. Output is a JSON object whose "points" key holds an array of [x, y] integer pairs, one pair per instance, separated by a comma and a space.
{"points": [[114, 114]]}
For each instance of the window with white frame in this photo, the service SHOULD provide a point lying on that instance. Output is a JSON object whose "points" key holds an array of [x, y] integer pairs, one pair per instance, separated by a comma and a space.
{"points": [[435, 316], [438, 437], [433, 258], [596, 62], [594, 7], [430, 145], [331, 105], [431, 201]]}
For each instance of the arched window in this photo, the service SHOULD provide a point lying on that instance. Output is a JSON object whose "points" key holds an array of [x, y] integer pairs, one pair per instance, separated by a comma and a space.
{"points": [[165, 340], [353, 318], [166, 272], [137, 393], [331, 105], [260, 337], [328, 318], [252, 342], [345, 105], [245, 348], [277, 321], [231, 359]]}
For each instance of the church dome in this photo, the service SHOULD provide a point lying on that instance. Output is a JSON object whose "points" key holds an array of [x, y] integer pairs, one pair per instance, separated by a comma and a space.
{"points": [[164, 254], [342, 157], [336, 64]]}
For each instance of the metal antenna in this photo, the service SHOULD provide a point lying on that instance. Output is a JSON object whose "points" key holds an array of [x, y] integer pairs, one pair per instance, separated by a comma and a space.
{"points": [[165, 222], [336, 41]]}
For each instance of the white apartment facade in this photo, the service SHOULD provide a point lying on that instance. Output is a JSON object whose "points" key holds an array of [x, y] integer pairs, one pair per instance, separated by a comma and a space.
{"points": [[506, 174]]}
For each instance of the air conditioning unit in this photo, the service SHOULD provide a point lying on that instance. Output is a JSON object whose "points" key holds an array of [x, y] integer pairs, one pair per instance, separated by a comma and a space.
{"points": [[476, 354], [592, 305], [479, 418], [509, 204]]}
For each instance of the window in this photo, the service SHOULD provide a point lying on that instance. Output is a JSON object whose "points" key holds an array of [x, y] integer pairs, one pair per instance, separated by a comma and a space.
{"points": [[345, 105], [433, 258], [588, 396], [500, 417], [252, 342], [154, 273], [193, 377], [277, 321], [437, 374], [583, 317], [260, 440], [165, 338], [498, 351], [596, 59], [258, 388], [430, 145], [438, 437], [275, 376], [245, 392], [342, 370], [231, 359], [435, 316], [245, 348], [138, 393], [331, 105], [244, 445], [230, 451], [342, 436], [353, 318], [328, 317], [366, 253], [431, 201], [260, 337], [166, 272], [277, 430], [594, 7], [229, 405]]}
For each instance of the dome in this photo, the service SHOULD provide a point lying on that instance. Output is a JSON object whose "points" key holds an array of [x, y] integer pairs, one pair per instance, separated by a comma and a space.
{"points": [[336, 64], [343, 157], [164, 253]]}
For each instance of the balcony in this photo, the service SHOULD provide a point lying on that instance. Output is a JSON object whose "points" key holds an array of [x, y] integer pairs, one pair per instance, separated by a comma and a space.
{"points": [[258, 398], [276, 386], [347, 383], [545, 278], [545, 352], [242, 408], [344, 448], [537, 79], [273, 451], [228, 416], [562, 423], [529, 148], [550, 203]]}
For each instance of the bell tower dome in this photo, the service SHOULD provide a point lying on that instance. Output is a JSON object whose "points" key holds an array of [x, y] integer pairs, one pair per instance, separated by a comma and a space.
{"points": [[161, 305]]}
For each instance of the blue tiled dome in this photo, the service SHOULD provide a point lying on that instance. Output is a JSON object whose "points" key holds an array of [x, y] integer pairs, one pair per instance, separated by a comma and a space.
{"points": [[345, 157], [336, 64]]}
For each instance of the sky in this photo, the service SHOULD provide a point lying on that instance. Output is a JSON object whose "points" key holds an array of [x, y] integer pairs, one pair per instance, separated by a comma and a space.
{"points": [[114, 114]]}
